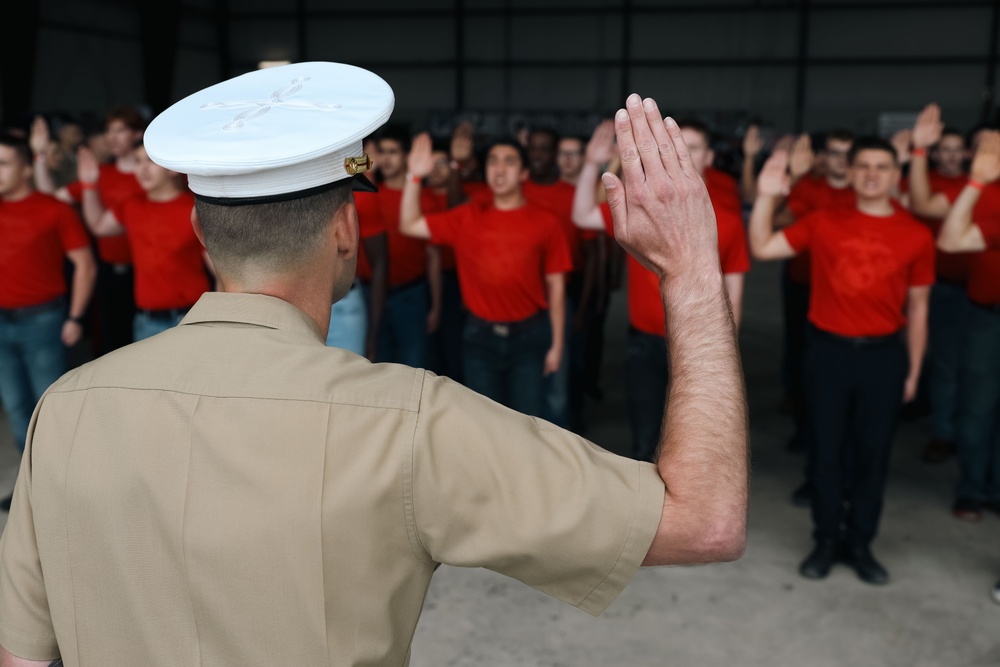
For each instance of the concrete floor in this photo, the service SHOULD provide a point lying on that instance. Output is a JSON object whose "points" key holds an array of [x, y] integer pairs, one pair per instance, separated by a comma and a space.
{"points": [[936, 611]]}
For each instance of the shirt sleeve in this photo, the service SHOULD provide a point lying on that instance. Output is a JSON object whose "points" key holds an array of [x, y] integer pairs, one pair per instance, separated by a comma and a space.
{"points": [[445, 226], [799, 234], [922, 272], [558, 256], [497, 489], [26, 628], [733, 252], [72, 234]]}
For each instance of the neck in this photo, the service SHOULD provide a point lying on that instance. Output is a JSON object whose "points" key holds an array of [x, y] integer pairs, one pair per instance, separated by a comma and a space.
{"points": [[878, 206], [837, 182], [395, 182], [508, 202], [950, 173], [125, 164], [570, 179], [163, 193], [22, 191], [310, 295]]}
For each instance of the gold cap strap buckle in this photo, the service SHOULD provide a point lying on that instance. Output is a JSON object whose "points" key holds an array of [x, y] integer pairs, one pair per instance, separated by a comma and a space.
{"points": [[357, 165]]}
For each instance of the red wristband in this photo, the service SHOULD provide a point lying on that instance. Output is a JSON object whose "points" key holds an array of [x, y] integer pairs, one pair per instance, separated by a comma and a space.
{"points": [[84, 185], [412, 178], [919, 152], [976, 184]]}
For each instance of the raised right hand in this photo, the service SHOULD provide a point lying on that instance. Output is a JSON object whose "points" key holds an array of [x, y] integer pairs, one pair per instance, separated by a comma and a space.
{"points": [[461, 142], [39, 139], [752, 142], [927, 130], [421, 160], [88, 170], [986, 163], [661, 209], [773, 180], [800, 162], [599, 148]]}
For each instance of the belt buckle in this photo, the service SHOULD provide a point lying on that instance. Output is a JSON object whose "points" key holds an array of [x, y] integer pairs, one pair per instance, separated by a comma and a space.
{"points": [[502, 330]]}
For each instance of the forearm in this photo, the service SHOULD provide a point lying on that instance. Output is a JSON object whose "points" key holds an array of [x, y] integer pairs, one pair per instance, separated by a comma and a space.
{"points": [[410, 213], [557, 309], [748, 180], [958, 233], [703, 452], [93, 209], [921, 197], [916, 338], [43, 177], [761, 226], [84, 278], [434, 279], [586, 213]]}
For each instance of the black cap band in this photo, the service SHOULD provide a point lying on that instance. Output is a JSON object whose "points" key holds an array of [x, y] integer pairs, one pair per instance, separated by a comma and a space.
{"points": [[359, 182]]}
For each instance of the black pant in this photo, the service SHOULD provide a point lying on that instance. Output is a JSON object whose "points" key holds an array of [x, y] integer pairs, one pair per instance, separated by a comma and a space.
{"points": [[114, 305], [853, 393], [795, 306], [645, 390]]}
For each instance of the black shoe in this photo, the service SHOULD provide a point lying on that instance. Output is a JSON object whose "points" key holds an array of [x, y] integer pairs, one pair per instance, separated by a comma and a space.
{"points": [[967, 509], [5, 503], [823, 557], [864, 564], [802, 496]]}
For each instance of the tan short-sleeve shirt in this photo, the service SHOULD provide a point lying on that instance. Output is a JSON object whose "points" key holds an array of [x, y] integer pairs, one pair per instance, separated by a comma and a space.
{"points": [[234, 492]]}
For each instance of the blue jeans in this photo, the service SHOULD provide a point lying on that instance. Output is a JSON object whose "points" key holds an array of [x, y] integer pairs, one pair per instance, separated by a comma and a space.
{"points": [[349, 322], [646, 377], [32, 357], [144, 326], [946, 321], [979, 408], [507, 365], [402, 333], [557, 384]]}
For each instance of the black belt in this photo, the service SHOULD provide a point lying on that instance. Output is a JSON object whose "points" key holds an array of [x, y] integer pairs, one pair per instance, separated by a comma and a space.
{"points": [[506, 329], [989, 307], [165, 314], [857, 341], [407, 285], [16, 314]]}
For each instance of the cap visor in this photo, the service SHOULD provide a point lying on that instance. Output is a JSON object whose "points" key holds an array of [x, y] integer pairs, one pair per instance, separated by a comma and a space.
{"points": [[363, 184]]}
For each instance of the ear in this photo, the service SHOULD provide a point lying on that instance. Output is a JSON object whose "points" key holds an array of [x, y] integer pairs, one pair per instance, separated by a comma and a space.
{"points": [[196, 226], [709, 158], [525, 174], [345, 230]]}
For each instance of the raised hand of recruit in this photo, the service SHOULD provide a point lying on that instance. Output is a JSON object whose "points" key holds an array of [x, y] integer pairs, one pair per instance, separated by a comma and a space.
{"points": [[600, 148], [39, 138], [461, 142], [660, 206], [420, 162], [986, 163], [928, 128], [773, 180], [752, 142], [801, 159], [88, 170], [901, 142]]}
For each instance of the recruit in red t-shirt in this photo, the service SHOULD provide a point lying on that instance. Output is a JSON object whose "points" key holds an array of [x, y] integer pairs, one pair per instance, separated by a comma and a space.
{"points": [[503, 257], [169, 265], [862, 267], [114, 187], [952, 267], [434, 202], [813, 194], [645, 305], [557, 198], [35, 234], [723, 190], [369, 224], [407, 255]]}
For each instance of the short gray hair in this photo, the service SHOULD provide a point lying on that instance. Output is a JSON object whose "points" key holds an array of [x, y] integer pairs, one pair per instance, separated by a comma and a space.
{"points": [[271, 236]]}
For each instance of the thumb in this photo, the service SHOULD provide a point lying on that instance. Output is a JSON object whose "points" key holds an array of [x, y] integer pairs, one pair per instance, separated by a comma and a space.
{"points": [[616, 202]]}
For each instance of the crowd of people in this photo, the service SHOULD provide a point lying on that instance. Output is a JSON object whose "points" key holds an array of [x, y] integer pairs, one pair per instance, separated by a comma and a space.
{"points": [[491, 262]]}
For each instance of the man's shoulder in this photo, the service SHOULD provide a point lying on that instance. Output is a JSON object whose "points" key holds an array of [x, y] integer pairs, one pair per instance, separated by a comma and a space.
{"points": [[248, 363]]}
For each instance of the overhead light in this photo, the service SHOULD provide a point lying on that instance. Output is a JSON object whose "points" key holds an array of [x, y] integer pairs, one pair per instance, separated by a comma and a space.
{"points": [[264, 64]]}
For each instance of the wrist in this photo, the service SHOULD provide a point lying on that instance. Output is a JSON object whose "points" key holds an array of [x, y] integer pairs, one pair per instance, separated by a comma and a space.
{"points": [[75, 319], [918, 152], [40, 157], [413, 178], [88, 186], [978, 185]]}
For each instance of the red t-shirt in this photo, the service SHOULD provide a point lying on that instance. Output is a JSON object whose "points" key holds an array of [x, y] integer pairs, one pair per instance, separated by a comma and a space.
{"points": [[984, 270], [557, 198], [723, 190], [114, 187], [813, 194], [478, 192], [369, 224], [645, 305], [952, 267], [407, 255], [169, 266], [503, 257], [35, 234], [434, 202], [862, 267]]}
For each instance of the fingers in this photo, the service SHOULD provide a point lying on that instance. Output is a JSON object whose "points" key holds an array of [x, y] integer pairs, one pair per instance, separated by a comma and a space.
{"points": [[616, 202], [627, 150], [680, 149], [651, 166], [662, 137]]}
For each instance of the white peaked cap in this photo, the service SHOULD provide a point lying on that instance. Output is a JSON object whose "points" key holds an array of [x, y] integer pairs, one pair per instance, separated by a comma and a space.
{"points": [[273, 134]]}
